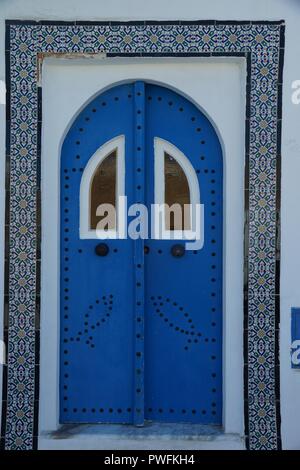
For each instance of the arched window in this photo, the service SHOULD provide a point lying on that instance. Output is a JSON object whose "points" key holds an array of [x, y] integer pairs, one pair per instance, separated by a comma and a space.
{"points": [[102, 184], [176, 190], [103, 188]]}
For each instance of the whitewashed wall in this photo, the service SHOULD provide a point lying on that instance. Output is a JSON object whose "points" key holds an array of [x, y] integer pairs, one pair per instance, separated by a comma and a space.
{"points": [[289, 10]]}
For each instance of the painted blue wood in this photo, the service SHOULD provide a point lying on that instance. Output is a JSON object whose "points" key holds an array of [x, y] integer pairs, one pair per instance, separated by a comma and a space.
{"points": [[141, 335], [183, 327], [295, 349], [97, 295], [139, 191]]}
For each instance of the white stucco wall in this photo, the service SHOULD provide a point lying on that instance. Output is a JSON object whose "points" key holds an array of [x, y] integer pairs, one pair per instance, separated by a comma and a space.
{"points": [[289, 10]]}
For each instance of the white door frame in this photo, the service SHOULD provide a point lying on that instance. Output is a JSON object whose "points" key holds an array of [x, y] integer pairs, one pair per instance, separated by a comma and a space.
{"points": [[217, 87]]}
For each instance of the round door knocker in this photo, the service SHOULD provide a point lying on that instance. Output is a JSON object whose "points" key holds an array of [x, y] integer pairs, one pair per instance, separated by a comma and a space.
{"points": [[178, 251], [101, 249]]}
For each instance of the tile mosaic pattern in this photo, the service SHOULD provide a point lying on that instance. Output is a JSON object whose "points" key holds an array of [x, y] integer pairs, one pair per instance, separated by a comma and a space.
{"points": [[262, 44]]}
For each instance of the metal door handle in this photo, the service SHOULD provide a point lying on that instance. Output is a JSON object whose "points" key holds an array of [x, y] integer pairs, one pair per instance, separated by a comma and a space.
{"points": [[177, 251], [101, 249]]}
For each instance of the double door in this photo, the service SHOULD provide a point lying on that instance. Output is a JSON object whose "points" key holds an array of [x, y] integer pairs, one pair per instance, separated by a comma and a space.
{"points": [[141, 314]]}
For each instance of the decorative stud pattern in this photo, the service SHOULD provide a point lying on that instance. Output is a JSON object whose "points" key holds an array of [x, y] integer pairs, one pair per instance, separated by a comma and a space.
{"points": [[139, 161], [177, 319], [183, 411], [91, 323], [262, 44]]}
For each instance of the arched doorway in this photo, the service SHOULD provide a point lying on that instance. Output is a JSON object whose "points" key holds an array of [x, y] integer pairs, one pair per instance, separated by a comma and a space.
{"points": [[141, 324]]}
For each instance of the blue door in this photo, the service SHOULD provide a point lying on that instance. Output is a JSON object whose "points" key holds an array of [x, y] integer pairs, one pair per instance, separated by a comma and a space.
{"points": [[141, 317]]}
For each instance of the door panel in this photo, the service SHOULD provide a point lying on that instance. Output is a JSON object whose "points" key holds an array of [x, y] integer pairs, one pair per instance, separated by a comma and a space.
{"points": [[97, 338], [151, 324], [183, 321]]}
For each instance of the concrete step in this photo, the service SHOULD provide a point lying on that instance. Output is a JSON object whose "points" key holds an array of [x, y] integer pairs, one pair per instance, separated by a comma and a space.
{"points": [[158, 436]]}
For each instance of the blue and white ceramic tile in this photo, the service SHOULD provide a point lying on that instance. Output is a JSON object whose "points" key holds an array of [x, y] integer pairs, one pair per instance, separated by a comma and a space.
{"points": [[260, 42]]}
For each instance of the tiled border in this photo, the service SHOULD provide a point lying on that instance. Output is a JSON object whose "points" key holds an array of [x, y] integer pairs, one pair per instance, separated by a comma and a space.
{"points": [[262, 43]]}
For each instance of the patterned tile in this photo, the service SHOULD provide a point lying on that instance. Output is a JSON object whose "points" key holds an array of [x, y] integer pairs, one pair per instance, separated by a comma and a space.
{"points": [[262, 45]]}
